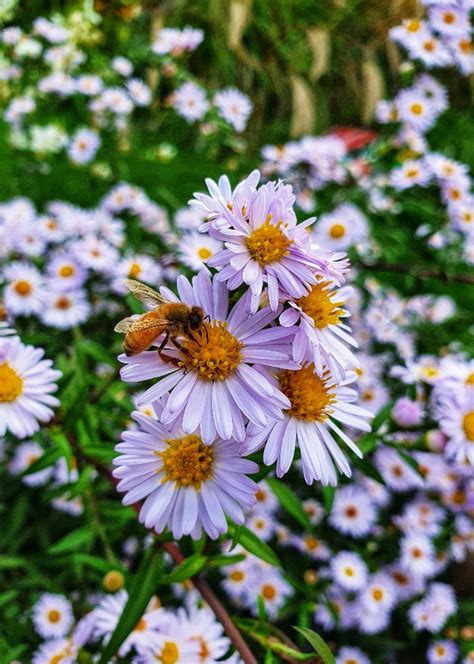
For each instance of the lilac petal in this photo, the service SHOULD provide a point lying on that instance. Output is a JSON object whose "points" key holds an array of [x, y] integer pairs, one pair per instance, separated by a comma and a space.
{"points": [[254, 380], [162, 387], [248, 406], [198, 401], [221, 411], [180, 395], [185, 290]]}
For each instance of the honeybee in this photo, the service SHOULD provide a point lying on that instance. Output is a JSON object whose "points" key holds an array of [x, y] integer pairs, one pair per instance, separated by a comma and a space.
{"points": [[174, 319]]}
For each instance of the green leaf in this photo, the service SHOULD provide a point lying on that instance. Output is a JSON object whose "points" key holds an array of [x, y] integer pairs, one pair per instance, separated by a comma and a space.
{"points": [[10, 562], [74, 541], [185, 570], [141, 591], [62, 443], [319, 645], [289, 501], [328, 497], [221, 560], [254, 545], [382, 416], [45, 460]]}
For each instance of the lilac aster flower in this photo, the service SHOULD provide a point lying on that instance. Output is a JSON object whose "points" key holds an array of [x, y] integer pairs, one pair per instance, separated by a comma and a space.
{"points": [[186, 485], [263, 242], [309, 424], [322, 336], [214, 384]]}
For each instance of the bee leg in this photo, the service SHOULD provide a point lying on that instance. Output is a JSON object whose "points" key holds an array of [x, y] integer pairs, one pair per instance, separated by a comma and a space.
{"points": [[179, 346], [167, 358]]}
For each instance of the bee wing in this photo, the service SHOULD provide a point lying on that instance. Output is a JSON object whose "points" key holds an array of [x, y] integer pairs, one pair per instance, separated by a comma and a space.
{"points": [[126, 324], [144, 293]]}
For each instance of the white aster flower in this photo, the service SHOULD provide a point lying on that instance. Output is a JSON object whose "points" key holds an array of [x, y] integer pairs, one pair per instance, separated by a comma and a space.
{"points": [[52, 616], [26, 384]]}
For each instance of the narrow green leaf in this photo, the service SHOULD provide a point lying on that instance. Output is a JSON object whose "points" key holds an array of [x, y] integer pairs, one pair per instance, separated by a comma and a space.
{"points": [[74, 541], [45, 460], [254, 545], [382, 416], [289, 501], [222, 560], [319, 645], [262, 612], [188, 568], [328, 497], [10, 562], [141, 591]]}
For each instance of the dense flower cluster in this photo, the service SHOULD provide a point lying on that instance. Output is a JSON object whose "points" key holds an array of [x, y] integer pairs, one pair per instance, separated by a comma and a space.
{"points": [[179, 636], [71, 75], [273, 377]]}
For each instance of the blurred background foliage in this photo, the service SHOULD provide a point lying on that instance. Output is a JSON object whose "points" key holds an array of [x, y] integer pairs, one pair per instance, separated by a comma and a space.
{"points": [[307, 66]]}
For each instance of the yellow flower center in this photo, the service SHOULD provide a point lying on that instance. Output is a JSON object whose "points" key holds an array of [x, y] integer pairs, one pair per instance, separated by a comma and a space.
{"points": [[468, 425], [412, 172], [214, 353], [309, 394], [337, 230], [348, 571], [317, 304], [465, 46], [187, 461], [54, 616], [417, 109], [377, 594], [413, 25], [312, 543], [10, 384], [170, 653], [449, 18], [23, 288], [204, 253], [135, 270], [470, 379], [66, 271], [237, 575], [441, 651], [268, 243], [268, 591], [430, 372]]}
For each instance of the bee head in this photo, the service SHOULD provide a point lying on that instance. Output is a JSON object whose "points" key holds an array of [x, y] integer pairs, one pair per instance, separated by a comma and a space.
{"points": [[195, 318]]}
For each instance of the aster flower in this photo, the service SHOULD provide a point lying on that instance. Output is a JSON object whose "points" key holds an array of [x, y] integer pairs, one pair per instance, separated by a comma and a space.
{"points": [[84, 146], [26, 384], [417, 555], [321, 333], [353, 512], [215, 384], [442, 652], [189, 101], [234, 107], [173, 643], [309, 423], [263, 243], [348, 655], [196, 249], [66, 310], [379, 594], [23, 294], [56, 650], [342, 228], [414, 108], [145, 635], [455, 414], [187, 486], [348, 570], [52, 616], [65, 272], [25, 455]]}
